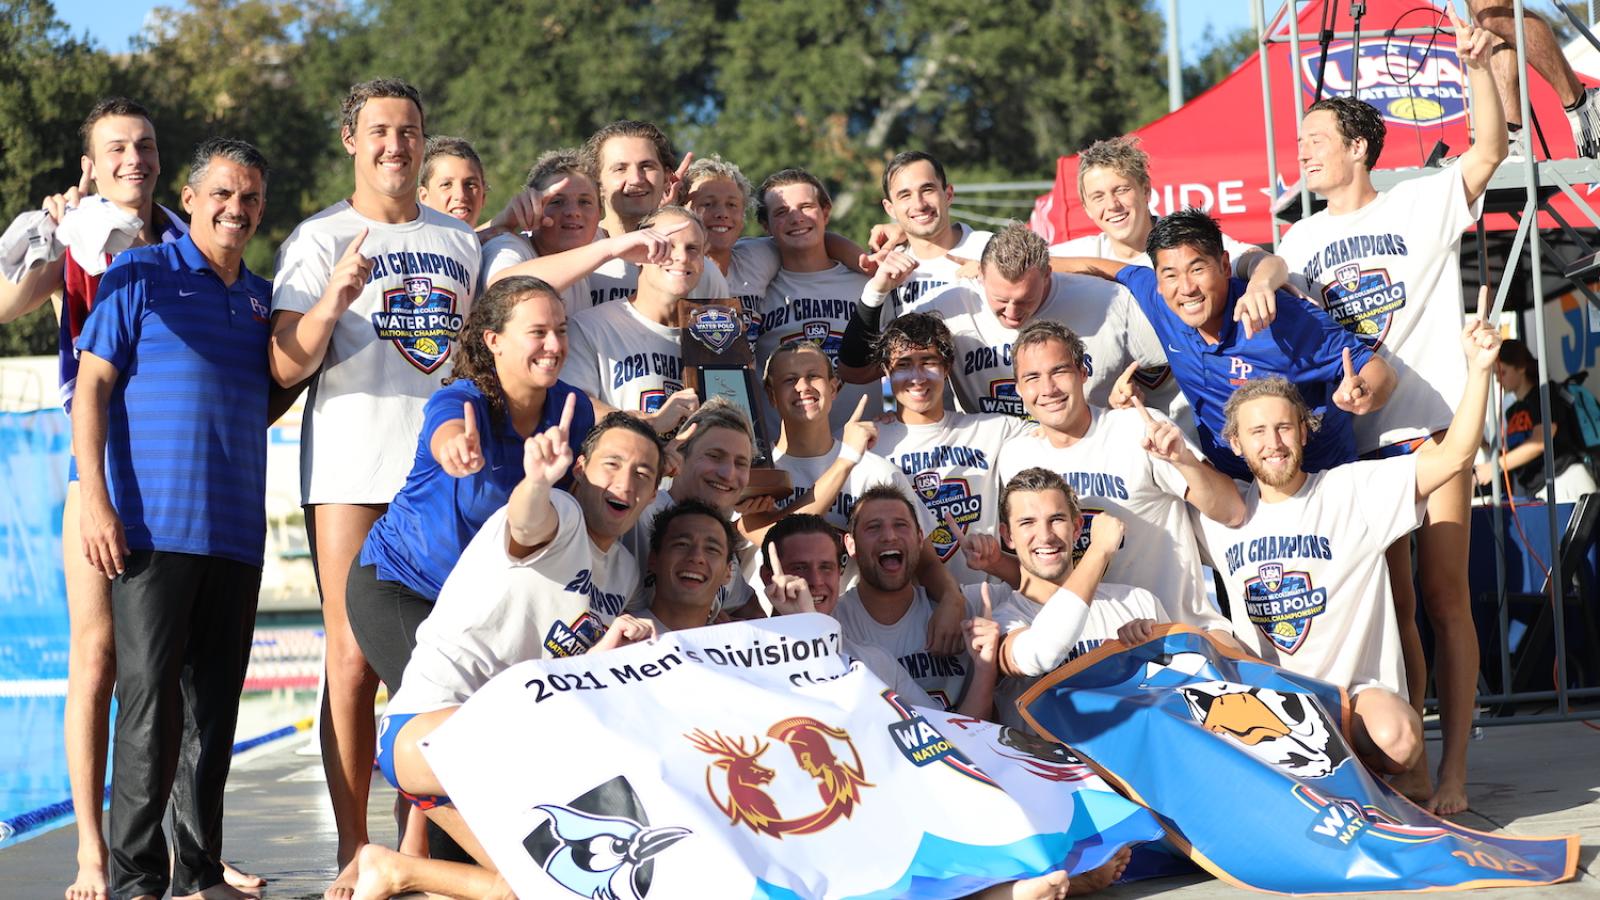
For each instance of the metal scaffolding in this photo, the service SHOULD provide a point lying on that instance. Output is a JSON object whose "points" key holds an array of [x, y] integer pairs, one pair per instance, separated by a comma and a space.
{"points": [[1524, 190]]}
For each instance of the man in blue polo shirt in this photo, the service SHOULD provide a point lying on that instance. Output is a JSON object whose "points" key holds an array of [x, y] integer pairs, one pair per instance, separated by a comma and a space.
{"points": [[1189, 299], [170, 430]]}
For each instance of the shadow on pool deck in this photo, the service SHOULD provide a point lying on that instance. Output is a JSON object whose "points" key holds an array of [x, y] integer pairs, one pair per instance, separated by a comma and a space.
{"points": [[1527, 779]]}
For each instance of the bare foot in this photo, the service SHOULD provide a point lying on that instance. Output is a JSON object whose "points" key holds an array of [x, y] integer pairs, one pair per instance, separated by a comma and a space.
{"points": [[1102, 877], [219, 891], [344, 886], [240, 878], [1045, 887], [91, 881], [1449, 798], [1415, 784], [379, 877]]}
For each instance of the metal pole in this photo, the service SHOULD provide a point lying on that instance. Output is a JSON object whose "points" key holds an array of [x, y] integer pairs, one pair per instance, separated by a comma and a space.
{"points": [[1553, 581], [1174, 61], [1299, 92], [1260, 10]]}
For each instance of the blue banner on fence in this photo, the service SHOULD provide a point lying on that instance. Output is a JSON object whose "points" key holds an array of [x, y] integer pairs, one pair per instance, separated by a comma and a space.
{"points": [[1251, 770]]}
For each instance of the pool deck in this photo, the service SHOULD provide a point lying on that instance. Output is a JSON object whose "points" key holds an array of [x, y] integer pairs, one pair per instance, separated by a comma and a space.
{"points": [[1527, 779]]}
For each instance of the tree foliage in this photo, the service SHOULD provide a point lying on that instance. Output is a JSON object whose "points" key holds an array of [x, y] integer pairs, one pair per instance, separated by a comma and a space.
{"points": [[835, 85]]}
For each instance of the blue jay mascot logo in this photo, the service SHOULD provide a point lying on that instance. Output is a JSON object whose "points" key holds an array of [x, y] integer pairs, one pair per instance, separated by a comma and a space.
{"points": [[594, 853]]}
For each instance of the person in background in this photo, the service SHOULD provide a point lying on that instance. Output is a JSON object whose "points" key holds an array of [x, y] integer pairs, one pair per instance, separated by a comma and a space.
{"points": [[1523, 456]]}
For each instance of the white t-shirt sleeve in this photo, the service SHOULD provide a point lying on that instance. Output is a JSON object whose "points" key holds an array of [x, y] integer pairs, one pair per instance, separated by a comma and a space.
{"points": [[305, 263], [713, 284], [1388, 490], [501, 253], [757, 261], [1142, 343], [582, 368], [1237, 251]]}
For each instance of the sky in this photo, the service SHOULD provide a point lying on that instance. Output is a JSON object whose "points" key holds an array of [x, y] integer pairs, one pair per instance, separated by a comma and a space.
{"points": [[112, 25]]}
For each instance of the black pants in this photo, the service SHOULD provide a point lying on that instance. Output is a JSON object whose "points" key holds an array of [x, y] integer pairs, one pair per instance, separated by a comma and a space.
{"points": [[182, 625], [384, 616]]}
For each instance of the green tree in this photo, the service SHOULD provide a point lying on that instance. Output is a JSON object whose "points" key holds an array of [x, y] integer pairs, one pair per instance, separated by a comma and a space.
{"points": [[1222, 54], [48, 79]]}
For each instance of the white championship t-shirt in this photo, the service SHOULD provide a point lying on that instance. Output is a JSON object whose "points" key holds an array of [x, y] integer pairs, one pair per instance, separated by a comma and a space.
{"points": [[495, 611], [1307, 575], [1390, 272], [1112, 473], [1100, 312], [389, 351], [508, 249], [621, 358], [870, 471], [816, 306], [1114, 606], [942, 677], [933, 274], [750, 272], [953, 467], [618, 280]]}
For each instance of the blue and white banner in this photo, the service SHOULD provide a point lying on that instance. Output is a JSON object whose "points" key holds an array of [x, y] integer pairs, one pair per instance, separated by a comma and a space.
{"points": [[758, 760], [1251, 768]]}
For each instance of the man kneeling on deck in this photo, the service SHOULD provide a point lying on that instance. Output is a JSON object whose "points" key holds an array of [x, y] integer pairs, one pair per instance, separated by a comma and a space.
{"points": [[545, 576]]}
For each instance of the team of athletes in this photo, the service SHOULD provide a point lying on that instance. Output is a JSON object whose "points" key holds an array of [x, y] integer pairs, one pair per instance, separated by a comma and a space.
{"points": [[501, 459]]}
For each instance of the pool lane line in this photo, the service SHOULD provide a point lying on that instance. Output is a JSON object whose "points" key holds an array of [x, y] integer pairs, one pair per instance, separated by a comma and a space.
{"points": [[28, 824]]}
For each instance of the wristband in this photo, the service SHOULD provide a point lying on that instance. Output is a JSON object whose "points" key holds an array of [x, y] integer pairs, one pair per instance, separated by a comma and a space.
{"points": [[849, 454], [872, 299], [1042, 646]]}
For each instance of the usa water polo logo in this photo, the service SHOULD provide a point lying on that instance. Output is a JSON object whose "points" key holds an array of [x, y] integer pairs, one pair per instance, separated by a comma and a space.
{"points": [[1364, 301], [947, 495], [1282, 604], [714, 326], [651, 400], [1408, 82], [1002, 399], [421, 319]]}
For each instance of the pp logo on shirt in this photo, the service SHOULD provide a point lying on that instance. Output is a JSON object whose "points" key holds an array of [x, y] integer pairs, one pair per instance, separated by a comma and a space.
{"points": [[1364, 301], [1282, 604], [421, 319], [952, 495]]}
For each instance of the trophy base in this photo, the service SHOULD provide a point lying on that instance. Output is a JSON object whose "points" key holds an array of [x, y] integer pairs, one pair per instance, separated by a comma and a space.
{"points": [[768, 482]]}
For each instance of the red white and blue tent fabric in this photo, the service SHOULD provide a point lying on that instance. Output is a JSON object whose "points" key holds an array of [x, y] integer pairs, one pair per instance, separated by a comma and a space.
{"points": [[1212, 151]]}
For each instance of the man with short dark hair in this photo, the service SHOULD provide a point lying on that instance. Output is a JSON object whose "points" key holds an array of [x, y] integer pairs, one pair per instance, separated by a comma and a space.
{"points": [[367, 300], [120, 165], [694, 551], [917, 197], [1190, 300], [1387, 267], [170, 431]]}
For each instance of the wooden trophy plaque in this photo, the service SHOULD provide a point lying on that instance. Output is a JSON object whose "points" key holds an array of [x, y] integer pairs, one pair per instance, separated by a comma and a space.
{"points": [[718, 361]]}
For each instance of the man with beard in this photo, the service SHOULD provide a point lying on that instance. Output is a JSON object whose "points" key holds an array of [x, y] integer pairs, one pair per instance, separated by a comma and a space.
{"points": [[1306, 568], [888, 611]]}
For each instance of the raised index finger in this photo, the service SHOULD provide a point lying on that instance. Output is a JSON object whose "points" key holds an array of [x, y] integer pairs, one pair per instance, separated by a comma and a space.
{"points": [[683, 167], [355, 245], [1349, 367], [1145, 413], [861, 410], [86, 179], [1483, 303], [470, 417], [554, 188], [566, 414], [1455, 19], [988, 606], [954, 526], [772, 559]]}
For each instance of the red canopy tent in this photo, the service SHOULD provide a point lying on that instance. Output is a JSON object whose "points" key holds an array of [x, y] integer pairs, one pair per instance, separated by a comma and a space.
{"points": [[1212, 153]]}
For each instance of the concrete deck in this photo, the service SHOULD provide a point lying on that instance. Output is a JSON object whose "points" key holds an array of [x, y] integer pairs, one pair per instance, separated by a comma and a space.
{"points": [[1527, 779]]}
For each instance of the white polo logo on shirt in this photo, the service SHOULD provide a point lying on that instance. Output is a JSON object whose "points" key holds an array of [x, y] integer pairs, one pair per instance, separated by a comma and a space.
{"points": [[1283, 604]]}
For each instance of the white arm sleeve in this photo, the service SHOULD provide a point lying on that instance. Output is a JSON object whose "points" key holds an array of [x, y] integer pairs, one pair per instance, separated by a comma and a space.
{"points": [[1042, 646]]}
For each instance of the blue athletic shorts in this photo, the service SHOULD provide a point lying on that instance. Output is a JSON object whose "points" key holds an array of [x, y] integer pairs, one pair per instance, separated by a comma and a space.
{"points": [[388, 727]]}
